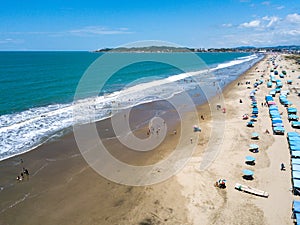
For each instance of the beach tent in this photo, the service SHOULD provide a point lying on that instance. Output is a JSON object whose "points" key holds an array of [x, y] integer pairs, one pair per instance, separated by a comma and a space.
{"points": [[277, 125], [255, 111], [296, 175], [291, 110], [281, 75], [296, 161], [278, 130], [295, 167], [273, 93], [295, 148], [275, 114], [296, 124], [271, 103], [289, 81], [276, 120], [273, 107], [294, 142], [290, 138], [296, 190], [293, 134], [296, 211], [295, 154], [293, 117]]}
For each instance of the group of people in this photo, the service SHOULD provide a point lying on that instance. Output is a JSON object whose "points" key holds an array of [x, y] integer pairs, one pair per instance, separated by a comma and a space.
{"points": [[23, 174]]}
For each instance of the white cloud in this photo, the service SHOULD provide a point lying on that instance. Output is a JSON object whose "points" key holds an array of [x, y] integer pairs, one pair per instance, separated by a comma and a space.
{"points": [[293, 18], [266, 31], [97, 30], [84, 31], [11, 41], [266, 3], [272, 20], [291, 32], [227, 25], [254, 23], [280, 7]]}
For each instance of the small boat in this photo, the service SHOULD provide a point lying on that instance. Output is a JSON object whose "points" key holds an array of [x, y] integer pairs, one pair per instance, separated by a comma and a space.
{"points": [[251, 190]]}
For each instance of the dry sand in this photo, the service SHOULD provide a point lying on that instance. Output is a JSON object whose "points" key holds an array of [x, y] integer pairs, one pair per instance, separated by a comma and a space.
{"points": [[63, 189]]}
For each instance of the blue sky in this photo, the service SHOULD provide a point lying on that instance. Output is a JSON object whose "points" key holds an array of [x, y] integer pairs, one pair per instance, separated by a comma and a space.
{"points": [[89, 25]]}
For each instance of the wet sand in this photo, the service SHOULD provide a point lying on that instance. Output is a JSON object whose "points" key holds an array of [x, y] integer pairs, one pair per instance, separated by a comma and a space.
{"points": [[64, 189]]}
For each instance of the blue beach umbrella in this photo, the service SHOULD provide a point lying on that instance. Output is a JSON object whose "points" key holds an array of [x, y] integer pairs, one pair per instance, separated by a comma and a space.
{"points": [[248, 172], [254, 135], [250, 158], [254, 146]]}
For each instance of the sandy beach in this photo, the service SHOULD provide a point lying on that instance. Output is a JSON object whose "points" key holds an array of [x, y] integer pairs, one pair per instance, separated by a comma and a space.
{"points": [[63, 189]]}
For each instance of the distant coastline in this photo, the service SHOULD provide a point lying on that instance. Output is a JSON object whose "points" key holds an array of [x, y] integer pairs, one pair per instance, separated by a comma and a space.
{"points": [[294, 49]]}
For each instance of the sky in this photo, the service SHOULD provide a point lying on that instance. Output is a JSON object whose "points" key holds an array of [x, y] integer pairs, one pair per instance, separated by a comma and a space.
{"points": [[90, 25]]}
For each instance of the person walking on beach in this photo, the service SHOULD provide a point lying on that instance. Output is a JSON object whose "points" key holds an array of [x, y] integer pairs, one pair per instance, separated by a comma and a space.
{"points": [[25, 171], [19, 178], [22, 176]]}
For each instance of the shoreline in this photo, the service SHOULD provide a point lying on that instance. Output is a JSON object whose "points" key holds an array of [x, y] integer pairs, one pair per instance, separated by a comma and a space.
{"points": [[68, 130], [57, 167], [17, 133]]}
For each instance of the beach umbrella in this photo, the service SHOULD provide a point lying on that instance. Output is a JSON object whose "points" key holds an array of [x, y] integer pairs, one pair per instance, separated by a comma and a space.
{"points": [[250, 124], [269, 98], [250, 158], [254, 135], [271, 103], [254, 146], [248, 172]]}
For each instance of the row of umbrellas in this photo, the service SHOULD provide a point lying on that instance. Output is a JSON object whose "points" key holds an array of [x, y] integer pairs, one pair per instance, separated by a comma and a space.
{"points": [[248, 174]]}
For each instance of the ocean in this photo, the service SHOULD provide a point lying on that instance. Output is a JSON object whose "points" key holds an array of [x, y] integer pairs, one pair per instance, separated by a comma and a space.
{"points": [[37, 90]]}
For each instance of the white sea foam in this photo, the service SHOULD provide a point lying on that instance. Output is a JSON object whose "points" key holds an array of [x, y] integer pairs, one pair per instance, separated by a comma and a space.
{"points": [[21, 132]]}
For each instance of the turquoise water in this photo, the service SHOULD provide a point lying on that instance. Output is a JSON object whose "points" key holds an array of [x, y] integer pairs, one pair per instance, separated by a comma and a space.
{"points": [[37, 90]]}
